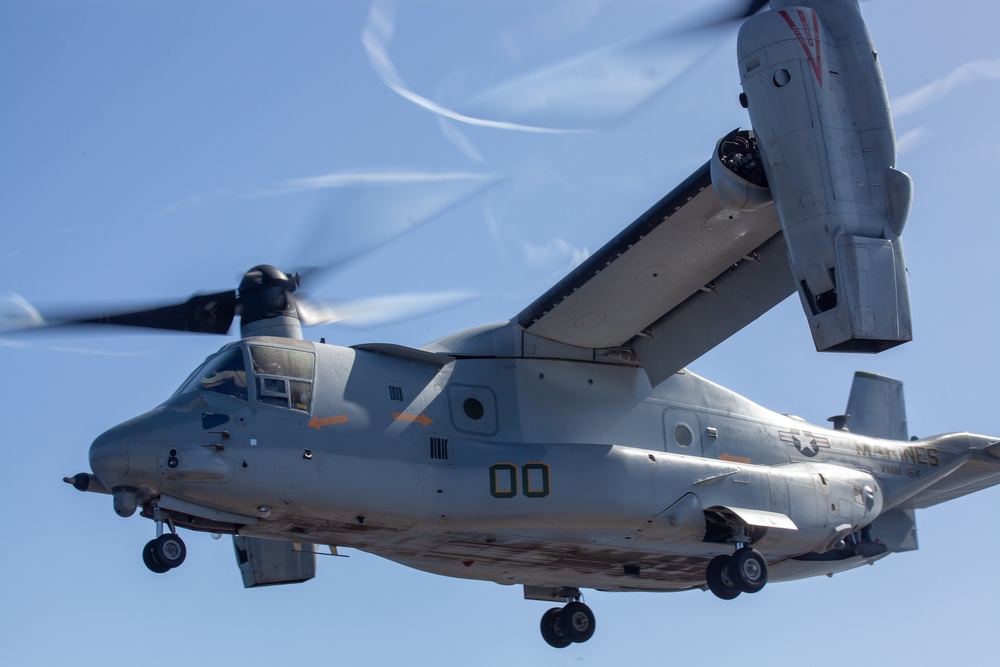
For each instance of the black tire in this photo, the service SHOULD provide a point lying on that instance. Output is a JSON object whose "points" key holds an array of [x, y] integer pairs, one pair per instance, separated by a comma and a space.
{"points": [[720, 581], [551, 632], [748, 570], [169, 550], [577, 622], [149, 558]]}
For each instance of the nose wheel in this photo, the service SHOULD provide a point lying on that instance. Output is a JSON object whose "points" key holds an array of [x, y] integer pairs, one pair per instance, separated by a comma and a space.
{"points": [[743, 572], [572, 624], [166, 551]]}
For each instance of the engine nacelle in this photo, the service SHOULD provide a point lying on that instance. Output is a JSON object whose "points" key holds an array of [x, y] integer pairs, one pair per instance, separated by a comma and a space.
{"points": [[737, 173], [820, 113]]}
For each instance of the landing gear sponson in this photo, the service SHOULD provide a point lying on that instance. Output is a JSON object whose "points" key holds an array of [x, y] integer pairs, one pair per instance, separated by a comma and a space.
{"points": [[572, 623], [743, 572]]}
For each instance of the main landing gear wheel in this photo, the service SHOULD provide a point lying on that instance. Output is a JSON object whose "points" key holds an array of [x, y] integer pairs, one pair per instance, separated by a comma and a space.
{"points": [[577, 622], [719, 580], [572, 624], [748, 570], [552, 630], [164, 553], [743, 572], [150, 560]]}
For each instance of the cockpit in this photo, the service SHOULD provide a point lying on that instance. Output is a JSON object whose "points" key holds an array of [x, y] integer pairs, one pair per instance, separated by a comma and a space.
{"points": [[280, 376]]}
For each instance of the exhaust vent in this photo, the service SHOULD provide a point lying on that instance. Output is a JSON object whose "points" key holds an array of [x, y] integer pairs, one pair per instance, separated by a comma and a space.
{"points": [[439, 449]]}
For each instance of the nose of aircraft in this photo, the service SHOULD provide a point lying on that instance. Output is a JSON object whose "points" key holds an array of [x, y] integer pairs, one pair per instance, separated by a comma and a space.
{"points": [[109, 456]]}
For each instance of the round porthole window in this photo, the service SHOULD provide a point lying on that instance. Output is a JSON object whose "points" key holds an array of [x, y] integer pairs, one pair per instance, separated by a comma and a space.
{"points": [[682, 435], [782, 77], [474, 410]]}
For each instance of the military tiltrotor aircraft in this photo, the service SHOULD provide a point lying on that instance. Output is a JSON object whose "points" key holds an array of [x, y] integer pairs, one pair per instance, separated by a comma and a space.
{"points": [[568, 448]]}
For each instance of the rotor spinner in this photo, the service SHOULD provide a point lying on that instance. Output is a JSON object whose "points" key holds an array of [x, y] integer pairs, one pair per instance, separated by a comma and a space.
{"points": [[266, 305]]}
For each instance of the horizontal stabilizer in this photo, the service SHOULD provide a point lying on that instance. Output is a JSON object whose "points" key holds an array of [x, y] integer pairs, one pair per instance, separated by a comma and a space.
{"points": [[976, 468], [994, 450]]}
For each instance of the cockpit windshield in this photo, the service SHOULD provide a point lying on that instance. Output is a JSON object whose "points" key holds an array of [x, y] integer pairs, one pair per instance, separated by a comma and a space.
{"points": [[284, 377], [225, 373]]}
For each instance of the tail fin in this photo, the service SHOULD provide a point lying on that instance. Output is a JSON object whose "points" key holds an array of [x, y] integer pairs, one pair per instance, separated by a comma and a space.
{"points": [[876, 407]]}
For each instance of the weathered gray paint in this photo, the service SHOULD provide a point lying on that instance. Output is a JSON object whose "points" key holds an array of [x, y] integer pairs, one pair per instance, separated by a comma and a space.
{"points": [[370, 482]]}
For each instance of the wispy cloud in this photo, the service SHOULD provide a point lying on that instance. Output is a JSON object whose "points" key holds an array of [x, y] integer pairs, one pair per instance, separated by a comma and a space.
{"points": [[555, 254], [971, 72], [912, 140], [194, 200]]}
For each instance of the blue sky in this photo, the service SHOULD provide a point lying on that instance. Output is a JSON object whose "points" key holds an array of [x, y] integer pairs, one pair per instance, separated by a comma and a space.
{"points": [[149, 150]]}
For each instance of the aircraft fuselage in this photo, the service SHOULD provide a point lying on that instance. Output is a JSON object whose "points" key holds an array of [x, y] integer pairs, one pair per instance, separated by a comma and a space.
{"points": [[538, 471]]}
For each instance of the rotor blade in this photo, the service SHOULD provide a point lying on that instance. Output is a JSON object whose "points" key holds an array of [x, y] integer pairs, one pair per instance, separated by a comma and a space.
{"points": [[202, 313], [743, 10], [376, 311], [16, 314], [586, 92], [376, 36], [367, 210], [596, 89]]}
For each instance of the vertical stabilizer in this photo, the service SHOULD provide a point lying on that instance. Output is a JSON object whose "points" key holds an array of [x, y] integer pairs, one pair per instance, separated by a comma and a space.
{"points": [[876, 407]]}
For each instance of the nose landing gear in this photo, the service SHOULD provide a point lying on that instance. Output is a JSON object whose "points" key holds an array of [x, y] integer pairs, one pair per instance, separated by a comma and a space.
{"points": [[166, 551], [573, 623]]}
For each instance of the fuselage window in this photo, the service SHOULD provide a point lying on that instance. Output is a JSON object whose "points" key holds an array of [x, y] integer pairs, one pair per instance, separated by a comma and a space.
{"points": [[223, 374], [284, 376]]}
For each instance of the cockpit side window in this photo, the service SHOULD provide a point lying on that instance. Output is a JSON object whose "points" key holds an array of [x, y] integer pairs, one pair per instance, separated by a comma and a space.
{"points": [[223, 374], [284, 377]]}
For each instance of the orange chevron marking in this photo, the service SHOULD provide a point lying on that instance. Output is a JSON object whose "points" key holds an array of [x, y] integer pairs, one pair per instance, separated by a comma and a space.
{"points": [[421, 419], [319, 422]]}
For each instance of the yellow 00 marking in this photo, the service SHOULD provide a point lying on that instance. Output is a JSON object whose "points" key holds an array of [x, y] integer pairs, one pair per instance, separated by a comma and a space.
{"points": [[534, 480]]}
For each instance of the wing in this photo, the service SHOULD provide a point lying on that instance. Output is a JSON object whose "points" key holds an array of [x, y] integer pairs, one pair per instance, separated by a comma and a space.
{"points": [[686, 275]]}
